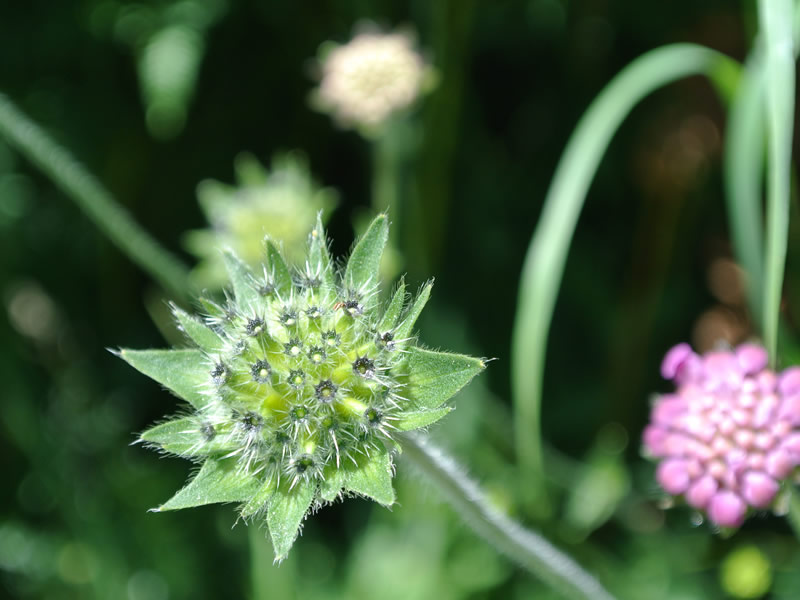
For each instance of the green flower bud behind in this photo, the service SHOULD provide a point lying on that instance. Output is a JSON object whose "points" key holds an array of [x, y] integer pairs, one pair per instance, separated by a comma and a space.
{"points": [[299, 385], [282, 203]]}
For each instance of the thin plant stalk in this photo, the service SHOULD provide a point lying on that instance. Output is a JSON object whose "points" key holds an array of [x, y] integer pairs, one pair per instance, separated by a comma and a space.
{"points": [[742, 176], [547, 252], [77, 183], [776, 18], [527, 548]]}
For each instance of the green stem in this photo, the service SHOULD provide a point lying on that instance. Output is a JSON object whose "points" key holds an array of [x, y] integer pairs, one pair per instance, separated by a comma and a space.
{"points": [[385, 173], [776, 19], [743, 170], [547, 252], [527, 548], [98, 204]]}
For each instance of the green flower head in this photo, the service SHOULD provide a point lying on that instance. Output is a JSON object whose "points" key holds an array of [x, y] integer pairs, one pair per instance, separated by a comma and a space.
{"points": [[301, 386]]}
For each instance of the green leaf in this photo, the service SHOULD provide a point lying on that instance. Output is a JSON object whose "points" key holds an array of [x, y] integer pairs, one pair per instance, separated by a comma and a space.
{"points": [[200, 333], [332, 484], [217, 481], [420, 418], [186, 437], [285, 514], [435, 377], [373, 479], [407, 325], [184, 372], [365, 260], [260, 498], [241, 281], [280, 271], [393, 310], [318, 257]]}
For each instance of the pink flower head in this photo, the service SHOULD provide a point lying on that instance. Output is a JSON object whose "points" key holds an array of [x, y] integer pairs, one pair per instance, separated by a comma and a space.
{"points": [[729, 434]]}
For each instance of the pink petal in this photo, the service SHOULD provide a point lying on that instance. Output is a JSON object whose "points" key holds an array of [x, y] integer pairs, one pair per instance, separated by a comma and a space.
{"points": [[752, 358], [759, 489], [667, 408], [653, 439], [675, 359], [779, 464], [790, 409], [792, 445], [789, 381], [726, 509], [673, 475], [722, 368], [767, 381], [701, 491]]}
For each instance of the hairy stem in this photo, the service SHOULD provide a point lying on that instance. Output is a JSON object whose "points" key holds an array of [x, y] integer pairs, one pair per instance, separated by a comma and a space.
{"points": [[89, 194], [528, 549]]}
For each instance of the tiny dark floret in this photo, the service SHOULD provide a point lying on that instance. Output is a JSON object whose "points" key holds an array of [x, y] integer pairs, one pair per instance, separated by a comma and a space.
{"points": [[293, 347], [317, 355], [386, 341], [251, 421], [364, 366], [219, 373], [373, 416], [330, 338], [261, 371], [353, 308], [325, 391], [298, 413], [288, 317], [255, 326], [297, 378]]}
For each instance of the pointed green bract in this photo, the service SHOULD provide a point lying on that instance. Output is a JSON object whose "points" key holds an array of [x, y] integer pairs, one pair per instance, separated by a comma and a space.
{"points": [[422, 418], [217, 481], [202, 335], [373, 479], [241, 281], [365, 261], [184, 372], [407, 325], [280, 272], [331, 486], [189, 437], [318, 258], [285, 515], [180, 436], [260, 498], [435, 377], [394, 309]]}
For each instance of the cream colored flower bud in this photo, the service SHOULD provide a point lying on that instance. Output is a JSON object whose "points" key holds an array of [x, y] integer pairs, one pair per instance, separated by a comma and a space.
{"points": [[368, 79]]}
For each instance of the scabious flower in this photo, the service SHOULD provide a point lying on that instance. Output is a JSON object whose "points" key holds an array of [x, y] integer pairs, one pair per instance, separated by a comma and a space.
{"points": [[370, 78], [281, 203], [300, 386], [729, 434]]}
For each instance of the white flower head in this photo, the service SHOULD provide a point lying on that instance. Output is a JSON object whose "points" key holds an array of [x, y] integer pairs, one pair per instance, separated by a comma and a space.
{"points": [[367, 80]]}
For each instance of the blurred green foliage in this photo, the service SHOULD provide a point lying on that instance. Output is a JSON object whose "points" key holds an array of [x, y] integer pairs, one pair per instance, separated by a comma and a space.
{"points": [[515, 75]]}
